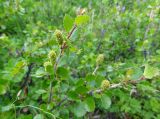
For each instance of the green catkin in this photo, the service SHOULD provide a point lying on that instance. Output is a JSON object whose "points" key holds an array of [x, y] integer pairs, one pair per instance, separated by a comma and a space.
{"points": [[100, 59], [105, 84], [52, 56], [59, 36]]}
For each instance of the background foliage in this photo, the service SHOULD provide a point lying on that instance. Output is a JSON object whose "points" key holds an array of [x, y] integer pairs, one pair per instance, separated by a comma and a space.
{"points": [[126, 32]]}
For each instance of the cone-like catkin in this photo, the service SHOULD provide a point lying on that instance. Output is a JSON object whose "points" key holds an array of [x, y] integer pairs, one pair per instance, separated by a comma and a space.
{"points": [[100, 59], [59, 36], [52, 56], [48, 66], [105, 84]]}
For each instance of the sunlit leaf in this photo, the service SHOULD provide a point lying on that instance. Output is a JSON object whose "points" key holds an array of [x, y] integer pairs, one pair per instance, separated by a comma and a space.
{"points": [[105, 101], [150, 72], [79, 109], [90, 104], [81, 19], [39, 116], [68, 22]]}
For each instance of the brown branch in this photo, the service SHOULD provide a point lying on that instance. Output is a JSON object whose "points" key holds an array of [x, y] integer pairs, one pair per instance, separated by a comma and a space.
{"points": [[72, 30]]}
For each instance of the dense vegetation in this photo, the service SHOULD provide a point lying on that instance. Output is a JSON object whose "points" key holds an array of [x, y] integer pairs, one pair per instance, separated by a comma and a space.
{"points": [[79, 59]]}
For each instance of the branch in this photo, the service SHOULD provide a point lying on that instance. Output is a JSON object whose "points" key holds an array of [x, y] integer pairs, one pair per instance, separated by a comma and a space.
{"points": [[118, 85], [71, 32], [100, 90], [63, 47]]}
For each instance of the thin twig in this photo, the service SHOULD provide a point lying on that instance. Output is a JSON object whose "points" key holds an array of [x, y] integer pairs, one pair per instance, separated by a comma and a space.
{"points": [[95, 70], [72, 30]]}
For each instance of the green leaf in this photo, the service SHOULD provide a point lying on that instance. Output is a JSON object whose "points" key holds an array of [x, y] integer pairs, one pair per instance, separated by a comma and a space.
{"points": [[137, 74], [72, 95], [6, 108], [150, 72], [9, 114], [81, 19], [40, 73], [63, 72], [155, 104], [64, 87], [90, 104], [68, 22], [146, 87], [41, 91], [3, 88], [29, 116], [18, 67], [105, 101], [39, 116], [64, 112], [81, 90], [79, 109]]}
